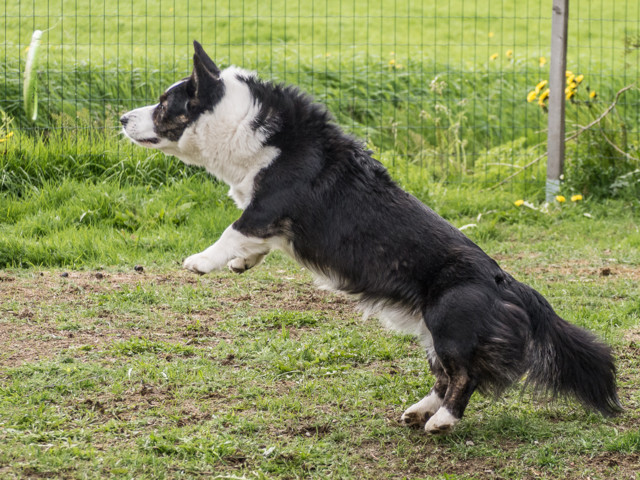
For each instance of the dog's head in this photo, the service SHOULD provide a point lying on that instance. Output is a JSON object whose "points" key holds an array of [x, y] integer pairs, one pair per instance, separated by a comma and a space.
{"points": [[179, 108]]}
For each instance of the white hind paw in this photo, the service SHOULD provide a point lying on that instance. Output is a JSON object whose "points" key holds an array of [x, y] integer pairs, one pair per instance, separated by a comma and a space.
{"points": [[442, 422], [418, 413], [414, 418]]}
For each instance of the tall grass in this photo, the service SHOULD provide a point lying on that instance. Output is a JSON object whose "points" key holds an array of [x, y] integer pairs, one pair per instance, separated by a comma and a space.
{"points": [[451, 124], [51, 155], [402, 76]]}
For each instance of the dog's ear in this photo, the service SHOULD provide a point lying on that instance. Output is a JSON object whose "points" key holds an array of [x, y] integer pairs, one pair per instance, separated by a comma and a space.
{"points": [[205, 72], [202, 61]]}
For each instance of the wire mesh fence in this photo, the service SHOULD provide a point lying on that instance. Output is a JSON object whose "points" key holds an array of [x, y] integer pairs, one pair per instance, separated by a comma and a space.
{"points": [[440, 90]]}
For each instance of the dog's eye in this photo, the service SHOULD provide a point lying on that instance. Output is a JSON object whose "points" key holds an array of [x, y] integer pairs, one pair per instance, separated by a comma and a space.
{"points": [[189, 106]]}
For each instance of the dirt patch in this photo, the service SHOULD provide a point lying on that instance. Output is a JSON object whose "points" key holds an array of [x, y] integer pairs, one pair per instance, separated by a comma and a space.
{"points": [[632, 337], [33, 307], [436, 461], [31, 343], [615, 465], [575, 270]]}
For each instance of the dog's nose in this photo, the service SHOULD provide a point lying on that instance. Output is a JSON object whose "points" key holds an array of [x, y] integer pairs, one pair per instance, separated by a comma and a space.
{"points": [[124, 120]]}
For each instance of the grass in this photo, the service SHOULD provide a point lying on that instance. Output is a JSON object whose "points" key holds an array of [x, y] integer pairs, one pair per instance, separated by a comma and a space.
{"points": [[162, 374], [417, 82], [252, 29], [116, 363], [109, 372]]}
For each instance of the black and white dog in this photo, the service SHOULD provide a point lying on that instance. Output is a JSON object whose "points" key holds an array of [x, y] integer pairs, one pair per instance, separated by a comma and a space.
{"points": [[307, 188]]}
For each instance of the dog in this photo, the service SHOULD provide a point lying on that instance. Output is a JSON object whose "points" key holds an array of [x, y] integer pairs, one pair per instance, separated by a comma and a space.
{"points": [[316, 193]]}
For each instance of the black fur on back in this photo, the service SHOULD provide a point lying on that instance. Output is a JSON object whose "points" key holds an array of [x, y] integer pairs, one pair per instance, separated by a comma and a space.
{"points": [[349, 222]]}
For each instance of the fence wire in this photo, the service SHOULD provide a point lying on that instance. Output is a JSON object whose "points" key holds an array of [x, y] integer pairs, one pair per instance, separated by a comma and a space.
{"points": [[440, 90]]}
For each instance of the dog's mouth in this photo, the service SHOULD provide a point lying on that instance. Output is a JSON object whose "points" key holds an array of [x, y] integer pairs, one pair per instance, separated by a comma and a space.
{"points": [[150, 141]]}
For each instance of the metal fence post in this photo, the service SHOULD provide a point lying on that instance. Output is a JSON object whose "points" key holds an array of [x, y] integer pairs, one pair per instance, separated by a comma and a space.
{"points": [[558, 67]]}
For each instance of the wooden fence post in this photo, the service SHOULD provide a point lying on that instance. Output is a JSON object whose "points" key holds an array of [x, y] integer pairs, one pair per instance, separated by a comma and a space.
{"points": [[558, 67]]}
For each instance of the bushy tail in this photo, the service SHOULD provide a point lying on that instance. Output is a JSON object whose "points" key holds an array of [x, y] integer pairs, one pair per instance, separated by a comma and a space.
{"points": [[568, 360]]}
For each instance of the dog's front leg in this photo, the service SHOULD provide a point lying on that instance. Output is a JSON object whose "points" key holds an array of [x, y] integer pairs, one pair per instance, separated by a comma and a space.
{"points": [[233, 248], [241, 265]]}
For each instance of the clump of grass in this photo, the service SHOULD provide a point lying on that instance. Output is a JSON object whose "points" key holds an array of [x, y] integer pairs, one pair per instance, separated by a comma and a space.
{"points": [[140, 345], [74, 223], [33, 159], [281, 319]]}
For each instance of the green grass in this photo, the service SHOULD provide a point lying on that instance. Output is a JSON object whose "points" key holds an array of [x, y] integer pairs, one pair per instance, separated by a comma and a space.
{"points": [[164, 374], [457, 32], [442, 105], [168, 375]]}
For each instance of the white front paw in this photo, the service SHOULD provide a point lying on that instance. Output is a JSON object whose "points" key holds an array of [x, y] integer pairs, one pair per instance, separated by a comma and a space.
{"points": [[238, 265], [199, 263]]}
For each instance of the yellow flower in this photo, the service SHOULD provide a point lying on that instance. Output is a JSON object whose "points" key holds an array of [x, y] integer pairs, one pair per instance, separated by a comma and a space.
{"points": [[560, 199], [576, 198], [569, 95], [544, 95], [509, 53], [543, 61], [532, 96], [518, 203], [493, 57], [9, 135], [593, 94], [491, 34], [394, 64], [541, 85], [568, 73], [579, 78], [570, 79]]}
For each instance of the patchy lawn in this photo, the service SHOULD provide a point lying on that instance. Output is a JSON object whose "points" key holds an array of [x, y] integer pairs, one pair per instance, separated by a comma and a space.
{"points": [[164, 374]]}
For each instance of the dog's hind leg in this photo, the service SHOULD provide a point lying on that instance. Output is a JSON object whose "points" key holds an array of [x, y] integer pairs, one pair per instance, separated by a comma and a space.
{"points": [[459, 391], [453, 322], [418, 413]]}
